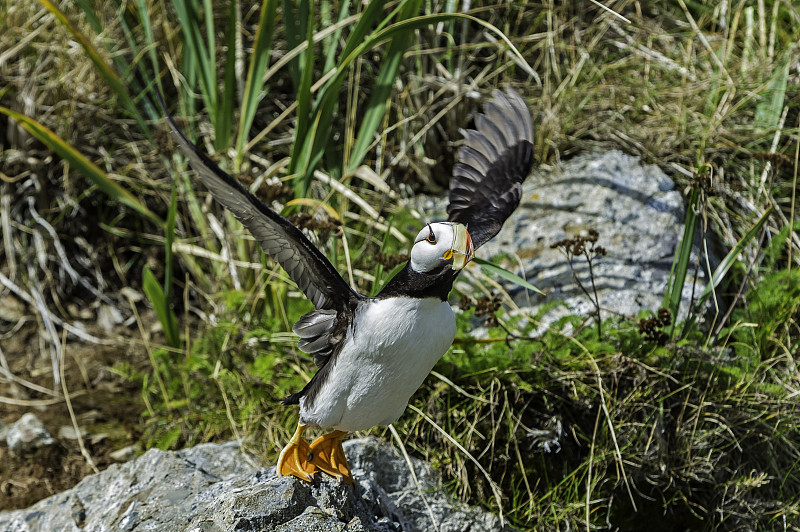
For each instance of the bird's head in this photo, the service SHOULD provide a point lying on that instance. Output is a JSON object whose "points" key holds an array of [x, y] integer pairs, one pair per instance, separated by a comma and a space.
{"points": [[440, 244]]}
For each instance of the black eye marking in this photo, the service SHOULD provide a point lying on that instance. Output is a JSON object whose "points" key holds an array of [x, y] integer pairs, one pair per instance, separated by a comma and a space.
{"points": [[431, 237]]}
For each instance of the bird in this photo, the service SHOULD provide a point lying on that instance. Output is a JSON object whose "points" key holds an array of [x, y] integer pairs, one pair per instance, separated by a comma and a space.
{"points": [[373, 353]]}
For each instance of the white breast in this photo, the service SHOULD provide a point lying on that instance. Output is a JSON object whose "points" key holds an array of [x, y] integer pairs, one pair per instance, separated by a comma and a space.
{"points": [[394, 344]]}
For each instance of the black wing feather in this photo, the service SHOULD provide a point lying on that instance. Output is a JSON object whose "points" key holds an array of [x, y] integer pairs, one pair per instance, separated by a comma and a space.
{"points": [[286, 244], [487, 178]]}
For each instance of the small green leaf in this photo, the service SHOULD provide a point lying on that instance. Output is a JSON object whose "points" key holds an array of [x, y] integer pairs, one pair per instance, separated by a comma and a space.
{"points": [[169, 438]]}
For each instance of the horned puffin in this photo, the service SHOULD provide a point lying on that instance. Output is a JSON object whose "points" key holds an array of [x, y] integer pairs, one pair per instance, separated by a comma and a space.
{"points": [[373, 353]]}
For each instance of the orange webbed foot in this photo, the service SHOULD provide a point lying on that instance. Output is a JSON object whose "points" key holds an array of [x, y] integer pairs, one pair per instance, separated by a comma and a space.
{"points": [[295, 458], [327, 455]]}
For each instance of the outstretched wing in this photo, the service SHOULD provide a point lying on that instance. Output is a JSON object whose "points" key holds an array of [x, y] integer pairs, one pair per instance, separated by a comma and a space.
{"points": [[487, 178], [285, 243]]}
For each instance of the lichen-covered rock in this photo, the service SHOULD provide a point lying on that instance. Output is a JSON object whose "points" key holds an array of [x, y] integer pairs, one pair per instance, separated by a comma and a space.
{"points": [[215, 488], [27, 434], [639, 215]]}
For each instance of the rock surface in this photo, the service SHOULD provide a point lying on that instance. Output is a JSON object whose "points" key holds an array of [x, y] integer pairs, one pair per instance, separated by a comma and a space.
{"points": [[27, 434], [68, 432], [638, 213], [214, 487]]}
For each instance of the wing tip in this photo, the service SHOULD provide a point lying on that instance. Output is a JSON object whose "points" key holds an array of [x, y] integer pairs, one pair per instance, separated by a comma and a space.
{"points": [[491, 165], [506, 112], [506, 116]]}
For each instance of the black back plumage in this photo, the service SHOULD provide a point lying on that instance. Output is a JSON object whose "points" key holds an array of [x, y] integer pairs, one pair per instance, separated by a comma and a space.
{"points": [[487, 178]]}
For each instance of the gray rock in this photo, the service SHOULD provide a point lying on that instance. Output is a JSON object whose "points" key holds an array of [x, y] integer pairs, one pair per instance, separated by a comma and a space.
{"points": [[68, 432], [124, 454], [3, 431], [28, 434], [638, 213], [214, 488], [387, 482]]}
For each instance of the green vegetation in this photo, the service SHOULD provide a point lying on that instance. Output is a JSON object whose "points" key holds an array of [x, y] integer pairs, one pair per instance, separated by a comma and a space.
{"points": [[339, 116]]}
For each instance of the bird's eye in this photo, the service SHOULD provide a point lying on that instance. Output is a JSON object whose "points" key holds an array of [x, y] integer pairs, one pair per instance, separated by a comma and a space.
{"points": [[431, 238]]}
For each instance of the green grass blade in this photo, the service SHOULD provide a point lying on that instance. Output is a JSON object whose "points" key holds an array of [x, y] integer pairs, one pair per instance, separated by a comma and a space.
{"points": [[196, 53], [331, 43], [259, 59], [105, 70], [304, 93], [160, 304], [505, 274], [82, 164], [124, 68], [211, 40], [378, 281], [302, 160], [770, 106], [376, 108], [210, 66], [680, 263], [730, 258], [169, 237], [149, 75], [368, 19], [725, 265], [295, 23], [224, 117], [306, 156], [387, 277], [91, 16]]}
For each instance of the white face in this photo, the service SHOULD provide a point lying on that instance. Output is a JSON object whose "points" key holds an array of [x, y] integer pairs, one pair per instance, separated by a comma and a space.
{"points": [[439, 244]]}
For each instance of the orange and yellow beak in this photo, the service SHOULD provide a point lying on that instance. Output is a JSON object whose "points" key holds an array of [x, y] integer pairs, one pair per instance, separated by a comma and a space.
{"points": [[462, 250]]}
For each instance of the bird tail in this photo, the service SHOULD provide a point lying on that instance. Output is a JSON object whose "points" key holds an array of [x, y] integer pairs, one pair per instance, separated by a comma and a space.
{"points": [[293, 399]]}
